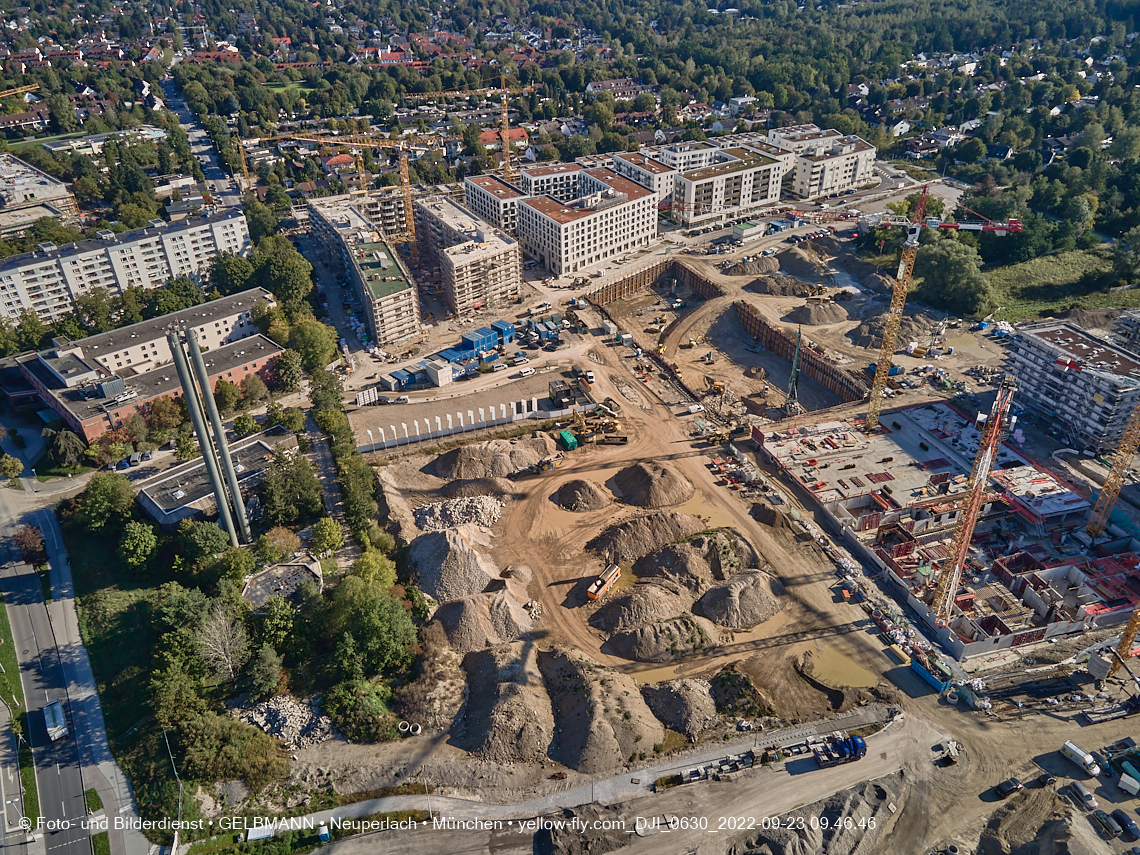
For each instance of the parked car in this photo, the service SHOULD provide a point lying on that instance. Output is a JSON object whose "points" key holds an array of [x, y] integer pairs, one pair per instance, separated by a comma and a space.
{"points": [[1046, 779], [402, 399], [148, 455], [383, 399], [1083, 796], [1106, 825], [1127, 823], [526, 371], [500, 366], [1007, 788]]}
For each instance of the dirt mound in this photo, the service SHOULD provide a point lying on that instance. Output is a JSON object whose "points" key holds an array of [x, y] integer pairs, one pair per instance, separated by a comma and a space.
{"points": [[869, 276], [601, 720], [581, 495], [779, 286], [917, 324], [630, 540], [439, 691], [642, 604], [653, 485], [771, 516], [484, 620], [448, 567], [805, 261], [1097, 319], [471, 487], [698, 562], [508, 719], [868, 805], [814, 314], [394, 508], [666, 640], [755, 267], [495, 458], [742, 602], [1021, 820], [685, 706]]}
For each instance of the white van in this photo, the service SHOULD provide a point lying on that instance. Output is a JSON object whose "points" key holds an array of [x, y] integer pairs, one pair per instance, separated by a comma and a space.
{"points": [[1074, 753], [500, 366], [589, 376], [526, 372], [1083, 796]]}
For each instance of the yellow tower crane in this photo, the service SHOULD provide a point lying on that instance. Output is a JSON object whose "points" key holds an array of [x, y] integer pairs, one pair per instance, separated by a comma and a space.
{"points": [[19, 90], [505, 133]]}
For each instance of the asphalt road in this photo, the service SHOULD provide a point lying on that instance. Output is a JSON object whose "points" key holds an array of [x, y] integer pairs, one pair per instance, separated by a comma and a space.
{"points": [[224, 188]]}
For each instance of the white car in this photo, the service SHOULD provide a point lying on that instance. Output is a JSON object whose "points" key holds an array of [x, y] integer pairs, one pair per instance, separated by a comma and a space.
{"points": [[526, 372]]}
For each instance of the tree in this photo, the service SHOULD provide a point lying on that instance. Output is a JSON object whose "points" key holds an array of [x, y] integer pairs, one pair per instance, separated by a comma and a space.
{"points": [[222, 642], [328, 536], [230, 273], [1126, 256], [265, 673], [291, 491], [375, 568], [349, 662], [971, 151], [287, 372], [108, 496], [236, 564], [245, 424], [226, 396], [262, 221], [277, 544], [379, 624], [65, 447], [164, 413], [201, 540], [10, 467], [30, 542], [175, 697], [952, 278], [138, 544], [314, 342], [276, 621], [30, 330], [253, 390], [281, 270]]}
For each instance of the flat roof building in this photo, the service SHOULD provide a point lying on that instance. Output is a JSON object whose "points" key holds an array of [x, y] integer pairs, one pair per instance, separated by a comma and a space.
{"points": [[736, 183], [613, 216], [48, 280], [826, 161], [479, 265], [28, 194], [1085, 385], [647, 172], [559, 180], [494, 200]]}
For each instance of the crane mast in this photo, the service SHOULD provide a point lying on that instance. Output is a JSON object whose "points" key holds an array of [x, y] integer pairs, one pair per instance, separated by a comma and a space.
{"points": [[1121, 463], [999, 421]]}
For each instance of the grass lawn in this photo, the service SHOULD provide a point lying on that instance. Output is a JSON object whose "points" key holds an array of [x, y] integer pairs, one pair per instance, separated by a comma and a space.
{"points": [[292, 87], [94, 803], [18, 146], [11, 687], [101, 844], [1054, 283]]}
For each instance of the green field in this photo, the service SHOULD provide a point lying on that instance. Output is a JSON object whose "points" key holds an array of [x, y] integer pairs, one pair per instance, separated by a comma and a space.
{"points": [[18, 146], [291, 87], [1053, 283], [11, 687]]}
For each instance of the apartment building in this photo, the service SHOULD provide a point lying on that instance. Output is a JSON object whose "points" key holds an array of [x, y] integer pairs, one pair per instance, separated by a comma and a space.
{"points": [[347, 236], [647, 172], [27, 195], [559, 180], [48, 280], [479, 265], [738, 182], [493, 200], [1078, 381], [683, 156], [1127, 330], [826, 161], [612, 217]]}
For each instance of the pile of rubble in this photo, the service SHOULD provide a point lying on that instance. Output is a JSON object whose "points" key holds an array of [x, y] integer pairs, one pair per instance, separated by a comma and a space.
{"points": [[298, 724], [479, 510]]}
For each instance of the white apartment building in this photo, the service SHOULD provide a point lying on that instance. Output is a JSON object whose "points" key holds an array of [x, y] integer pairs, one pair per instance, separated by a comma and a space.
{"points": [[738, 182], [683, 156], [27, 194], [48, 280], [826, 161], [494, 200], [647, 172], [479, 265], [614, 216], [559, 180]]}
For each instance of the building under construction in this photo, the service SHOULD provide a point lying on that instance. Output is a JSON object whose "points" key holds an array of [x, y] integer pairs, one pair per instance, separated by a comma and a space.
{"points": [[897, 496]]}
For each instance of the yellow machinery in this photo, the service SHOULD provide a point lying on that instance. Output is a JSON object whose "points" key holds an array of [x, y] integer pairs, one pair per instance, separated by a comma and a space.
{"points": [[505, 133], [19, 90]]}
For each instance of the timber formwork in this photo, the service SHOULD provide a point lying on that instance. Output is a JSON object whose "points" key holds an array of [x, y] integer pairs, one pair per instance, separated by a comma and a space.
{"points": [[650, 275]]}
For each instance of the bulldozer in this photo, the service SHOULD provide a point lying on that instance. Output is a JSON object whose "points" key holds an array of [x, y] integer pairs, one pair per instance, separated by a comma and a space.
{"points": [[717, 438], [661, 348], [690, 343]]}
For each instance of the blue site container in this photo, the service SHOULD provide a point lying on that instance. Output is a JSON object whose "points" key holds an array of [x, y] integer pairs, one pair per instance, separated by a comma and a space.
{"points": [[505, 331], [402, 378], [450, 355]]}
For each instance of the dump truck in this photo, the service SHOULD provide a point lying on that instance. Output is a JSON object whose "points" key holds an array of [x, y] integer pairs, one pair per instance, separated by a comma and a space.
{"points": [[839, 750], [614, 439], [604, 582], [55, 721]]}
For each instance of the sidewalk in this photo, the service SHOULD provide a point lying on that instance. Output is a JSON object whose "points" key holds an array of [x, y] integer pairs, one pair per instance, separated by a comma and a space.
{"points": [[98, 766]]}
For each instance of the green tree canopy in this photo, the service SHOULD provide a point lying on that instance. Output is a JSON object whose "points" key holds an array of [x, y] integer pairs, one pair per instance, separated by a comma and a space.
{"points": [[952, 278]]}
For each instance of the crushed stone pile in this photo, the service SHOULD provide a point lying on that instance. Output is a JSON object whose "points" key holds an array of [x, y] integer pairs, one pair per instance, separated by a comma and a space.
{"points": [[779, 286], [814, 314], [870, 277], [600, 718], [917, 324], [297, 723], [755, 267], [698, 562], [666, 640], [742, 602], [581, 496], [627, 541], [805, 261], [685, 706], [484, 620], [863, 802], [507, 717], [644, 603], [479, 510], [653, 485], [469, 487], [434, 698], [448, 566], [495, 458]]}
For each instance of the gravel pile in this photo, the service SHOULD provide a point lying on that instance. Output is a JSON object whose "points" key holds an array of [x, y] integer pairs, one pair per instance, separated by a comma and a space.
{"points": [[485, 620], [645, 603], [916, 325], [779, 286], [869, 276], [742, 602], [685, 706], [507, 717], [448, 567], [815, 314], [581, 496], [479, 510], [698, 562], [495, 458], [755, 267], [805, 261], [653, 485], [477, 487], [297, 723], [666, 640], [630, 540]]}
